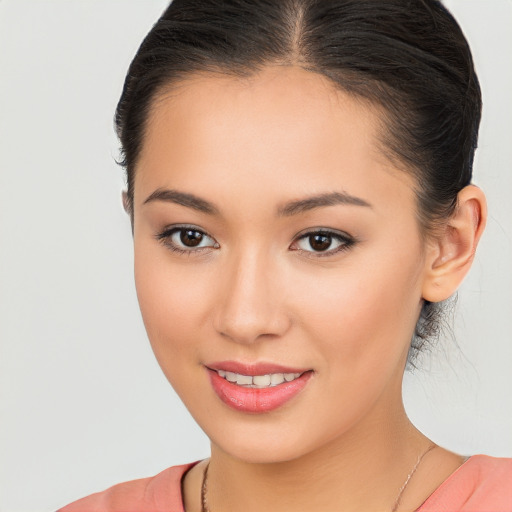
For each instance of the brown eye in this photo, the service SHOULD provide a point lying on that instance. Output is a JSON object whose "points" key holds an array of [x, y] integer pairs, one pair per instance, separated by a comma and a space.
{"points": [[186, 239], [320, 242], [323, 243], [190, 237]]}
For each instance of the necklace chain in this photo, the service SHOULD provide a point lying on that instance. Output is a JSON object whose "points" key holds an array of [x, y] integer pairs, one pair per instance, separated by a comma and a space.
{"points": [[396, 504], [408, 479]]}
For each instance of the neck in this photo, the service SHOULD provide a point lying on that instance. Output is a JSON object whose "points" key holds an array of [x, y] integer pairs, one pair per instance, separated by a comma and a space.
{"points": [[362, 470]]}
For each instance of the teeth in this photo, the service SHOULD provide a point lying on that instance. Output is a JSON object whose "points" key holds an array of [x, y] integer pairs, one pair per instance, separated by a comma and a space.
{"points": [[262, 381], [276, 378], [258, 381], [231, 376], [244, 380]]}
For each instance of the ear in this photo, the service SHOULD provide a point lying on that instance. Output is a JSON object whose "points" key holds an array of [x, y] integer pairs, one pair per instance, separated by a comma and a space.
{"points": [[127, 206], [451, 252], [126, 202]]}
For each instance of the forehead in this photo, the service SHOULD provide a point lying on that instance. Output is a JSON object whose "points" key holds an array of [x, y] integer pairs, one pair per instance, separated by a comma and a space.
{"points": [[283, 129]]}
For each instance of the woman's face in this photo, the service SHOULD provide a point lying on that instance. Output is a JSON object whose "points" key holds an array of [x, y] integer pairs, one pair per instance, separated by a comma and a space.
{"points": [[272, 237]]}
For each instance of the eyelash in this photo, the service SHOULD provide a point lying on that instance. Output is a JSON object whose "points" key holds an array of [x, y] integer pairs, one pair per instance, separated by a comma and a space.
{"points": [[346, 241], [165, 238]]}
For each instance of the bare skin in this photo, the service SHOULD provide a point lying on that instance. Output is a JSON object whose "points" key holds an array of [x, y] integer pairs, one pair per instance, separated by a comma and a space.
{"points": [[256, 290]]}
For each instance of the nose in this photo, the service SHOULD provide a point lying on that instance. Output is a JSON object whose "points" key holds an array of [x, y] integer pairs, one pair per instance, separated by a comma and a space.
{"points": [[250, 306]]}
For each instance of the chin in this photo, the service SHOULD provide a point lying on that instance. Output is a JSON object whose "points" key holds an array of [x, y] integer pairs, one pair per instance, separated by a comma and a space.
{"points": [[262, 453], [266, 444]]}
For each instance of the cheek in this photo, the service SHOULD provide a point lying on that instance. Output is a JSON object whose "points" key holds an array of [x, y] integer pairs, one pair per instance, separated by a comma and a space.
{"points": [[364, 314], [173, 305]]}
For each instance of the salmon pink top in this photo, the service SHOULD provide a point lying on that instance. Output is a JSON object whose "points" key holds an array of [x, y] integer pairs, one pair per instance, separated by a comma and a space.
{"points": [[481, 484]]}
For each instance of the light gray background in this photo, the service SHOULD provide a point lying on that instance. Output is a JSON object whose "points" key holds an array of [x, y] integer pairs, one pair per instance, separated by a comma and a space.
{"points": [[83, 404]]}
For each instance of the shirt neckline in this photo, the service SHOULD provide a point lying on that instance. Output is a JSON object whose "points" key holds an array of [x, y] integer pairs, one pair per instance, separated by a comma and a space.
{"points": [[444, 484], [433, 496]]}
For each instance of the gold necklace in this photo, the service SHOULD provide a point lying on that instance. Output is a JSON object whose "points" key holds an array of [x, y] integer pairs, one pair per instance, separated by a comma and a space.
{"points": [[396, 504]]}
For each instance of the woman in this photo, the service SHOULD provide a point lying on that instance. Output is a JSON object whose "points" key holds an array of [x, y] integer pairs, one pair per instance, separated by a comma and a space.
{"points": [[299, 185]]}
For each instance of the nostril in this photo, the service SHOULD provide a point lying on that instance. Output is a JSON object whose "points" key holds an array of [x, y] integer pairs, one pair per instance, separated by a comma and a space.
{"points": [[250, 330]]}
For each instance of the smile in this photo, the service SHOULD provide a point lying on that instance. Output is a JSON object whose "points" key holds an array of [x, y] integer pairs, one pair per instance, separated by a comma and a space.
{"points": [[258, 381], [256, 388]]}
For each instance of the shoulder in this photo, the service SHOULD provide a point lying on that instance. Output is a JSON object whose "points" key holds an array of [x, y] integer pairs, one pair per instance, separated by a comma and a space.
{"points": [[482, 483], [160, 493]]}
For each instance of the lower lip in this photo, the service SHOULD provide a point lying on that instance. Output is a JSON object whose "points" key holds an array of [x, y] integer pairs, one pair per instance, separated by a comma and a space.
{"points": [[255, 400]]}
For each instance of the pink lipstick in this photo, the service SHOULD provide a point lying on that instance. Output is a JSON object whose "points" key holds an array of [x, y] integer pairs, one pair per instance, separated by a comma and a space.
{"points": [[256, 388]]}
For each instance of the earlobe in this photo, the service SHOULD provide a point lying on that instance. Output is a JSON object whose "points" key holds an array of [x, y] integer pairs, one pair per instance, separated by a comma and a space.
{"points": [[453, 250]]}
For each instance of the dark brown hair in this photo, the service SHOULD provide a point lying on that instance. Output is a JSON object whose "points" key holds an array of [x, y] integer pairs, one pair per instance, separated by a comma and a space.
{"points": [[408, 57]]}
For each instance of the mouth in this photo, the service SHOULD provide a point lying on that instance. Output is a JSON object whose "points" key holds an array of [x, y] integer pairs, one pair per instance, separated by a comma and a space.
{"points": [[268, 380], [256, 388]]}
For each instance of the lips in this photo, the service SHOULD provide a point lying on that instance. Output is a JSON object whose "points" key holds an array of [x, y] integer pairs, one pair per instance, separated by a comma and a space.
{"points": [[256, 388]]}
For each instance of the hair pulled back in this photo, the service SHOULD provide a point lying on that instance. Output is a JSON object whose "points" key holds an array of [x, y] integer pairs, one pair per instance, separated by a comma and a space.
{"points": [[408, 57]]}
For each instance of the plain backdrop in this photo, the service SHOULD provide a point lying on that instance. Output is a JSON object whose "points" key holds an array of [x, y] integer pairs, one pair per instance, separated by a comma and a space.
{"points": [[83, 404]]}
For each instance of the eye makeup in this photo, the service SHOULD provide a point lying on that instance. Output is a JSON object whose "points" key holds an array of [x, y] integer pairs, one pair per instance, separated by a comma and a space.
{"points": [[313, 243], [321, 241]]}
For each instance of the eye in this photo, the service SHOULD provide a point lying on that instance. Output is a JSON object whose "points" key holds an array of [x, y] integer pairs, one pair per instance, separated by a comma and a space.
{"points": [[186, 239], [323, 242]]}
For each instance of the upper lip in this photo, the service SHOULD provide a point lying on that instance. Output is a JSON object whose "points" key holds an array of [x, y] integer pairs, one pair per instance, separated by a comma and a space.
{"points": [[252, 369]]}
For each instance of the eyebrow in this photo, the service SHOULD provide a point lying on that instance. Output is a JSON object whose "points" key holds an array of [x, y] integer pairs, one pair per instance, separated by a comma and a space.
{"points": [[321, 200], [184, 199], [287, 210]]}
